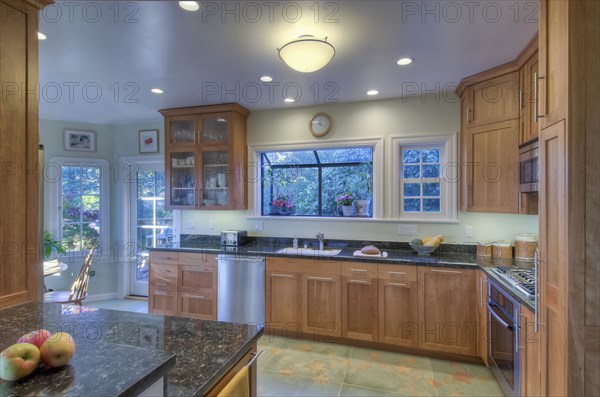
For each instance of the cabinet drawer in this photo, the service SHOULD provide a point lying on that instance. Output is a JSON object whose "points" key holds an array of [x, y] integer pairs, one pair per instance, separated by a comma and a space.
{"points": [[162, 302], [360, 270], [397, 272], [201, 259], [169, 284], [163, 257], [198, 279], [203, 307], [163, 273]]}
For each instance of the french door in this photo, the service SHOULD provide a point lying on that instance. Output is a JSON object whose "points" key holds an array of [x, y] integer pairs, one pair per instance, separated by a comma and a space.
{"points": [[151, 223]]}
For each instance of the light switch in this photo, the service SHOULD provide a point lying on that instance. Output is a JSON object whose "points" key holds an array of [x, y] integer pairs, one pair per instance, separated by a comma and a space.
{"points": [[469, 231], [408, 229], [259, 225], [211, 225]]}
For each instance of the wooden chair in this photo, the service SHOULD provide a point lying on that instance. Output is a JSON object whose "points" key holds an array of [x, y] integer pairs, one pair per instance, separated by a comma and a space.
{"points": [[79, 288]]}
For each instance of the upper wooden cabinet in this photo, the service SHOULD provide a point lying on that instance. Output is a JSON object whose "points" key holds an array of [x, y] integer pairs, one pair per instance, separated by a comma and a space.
{"points": [[498, 114], [205, 157], [20, 234]]}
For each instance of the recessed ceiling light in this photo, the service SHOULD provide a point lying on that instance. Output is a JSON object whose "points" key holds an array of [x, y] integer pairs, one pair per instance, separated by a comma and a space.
{"points": [[157, 91], [289, 100], [372, 92], [266, 79], [405, 61], [41, 36], [189, 5]]}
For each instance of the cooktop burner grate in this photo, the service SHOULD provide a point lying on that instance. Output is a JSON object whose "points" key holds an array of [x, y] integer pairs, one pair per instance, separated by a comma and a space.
{"points": [[523, 279]]}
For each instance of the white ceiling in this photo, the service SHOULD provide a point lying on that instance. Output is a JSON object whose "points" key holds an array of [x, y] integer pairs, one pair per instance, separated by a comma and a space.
{"points": [[208, 57]]}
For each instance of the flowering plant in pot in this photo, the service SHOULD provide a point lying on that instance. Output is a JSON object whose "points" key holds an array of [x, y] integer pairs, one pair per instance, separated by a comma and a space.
{"points": [[283, 204], [346, 200]]}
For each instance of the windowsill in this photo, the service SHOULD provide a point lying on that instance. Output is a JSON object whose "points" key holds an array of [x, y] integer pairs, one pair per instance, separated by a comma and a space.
{"points": [[347, 219]]}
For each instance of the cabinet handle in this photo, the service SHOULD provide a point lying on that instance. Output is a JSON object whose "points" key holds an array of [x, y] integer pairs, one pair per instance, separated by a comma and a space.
{"points": [[468, 115], [359, 282], [480, 291], [445, 271], [520, 99], [320, 278], [165, 284], [536, 262], [359, 270], [165, 258], [399, 273], [162, 293], [164, 271], [282, 275], [254, 358], [536, 115], [397, 284], [195, 259]]}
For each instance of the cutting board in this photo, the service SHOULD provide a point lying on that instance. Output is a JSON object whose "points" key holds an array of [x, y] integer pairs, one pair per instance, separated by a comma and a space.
{"points": [[381, 255]]}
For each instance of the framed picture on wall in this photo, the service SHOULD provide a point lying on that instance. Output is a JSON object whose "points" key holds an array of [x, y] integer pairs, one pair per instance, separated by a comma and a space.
{"points": [[82, 141], [148, 141]]}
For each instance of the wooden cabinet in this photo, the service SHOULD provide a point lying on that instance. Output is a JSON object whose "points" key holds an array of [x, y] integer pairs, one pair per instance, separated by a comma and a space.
{"points": [[530, 355], [20, 231], [482, 313], [283, 296], [398, 305], [528, 97], [553, 256], [359, 301], [183, 284], [491, 158], [321, 299], [205, 157], [447, 310], [494, 100], [553, 62]]}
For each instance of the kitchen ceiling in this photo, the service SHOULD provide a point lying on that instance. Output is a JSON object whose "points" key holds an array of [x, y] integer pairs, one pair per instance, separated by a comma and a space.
{"points": [[101, 59]]}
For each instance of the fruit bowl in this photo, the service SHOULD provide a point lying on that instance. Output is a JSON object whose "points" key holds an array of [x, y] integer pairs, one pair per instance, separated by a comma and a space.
{"points": [[423, 249]]}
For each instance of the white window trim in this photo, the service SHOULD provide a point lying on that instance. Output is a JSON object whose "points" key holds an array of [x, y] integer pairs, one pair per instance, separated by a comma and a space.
{"points": [[255, 181], [449, 177], [54, 190]]}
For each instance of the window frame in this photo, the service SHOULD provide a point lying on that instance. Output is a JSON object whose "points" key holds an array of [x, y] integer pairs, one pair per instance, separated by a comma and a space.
{"points": [[448, 178], [54, 179], [255, 180]]}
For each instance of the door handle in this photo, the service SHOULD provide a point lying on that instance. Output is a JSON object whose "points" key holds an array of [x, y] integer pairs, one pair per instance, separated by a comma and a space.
{"points": [[536, 114], [497, 317]]}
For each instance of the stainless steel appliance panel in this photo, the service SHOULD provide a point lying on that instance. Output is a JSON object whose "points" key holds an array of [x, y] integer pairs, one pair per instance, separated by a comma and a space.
{"points": [[241, 289], [529, 167]]}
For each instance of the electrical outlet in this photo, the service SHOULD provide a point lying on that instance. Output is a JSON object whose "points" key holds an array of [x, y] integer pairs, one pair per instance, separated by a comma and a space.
{"points": [[211, 225], [92, 273], [469, 231], [408, 229], [259, 226]]}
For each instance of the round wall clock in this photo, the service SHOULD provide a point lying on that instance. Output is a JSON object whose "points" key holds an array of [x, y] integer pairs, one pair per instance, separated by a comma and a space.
{"points": [[320, 124]]}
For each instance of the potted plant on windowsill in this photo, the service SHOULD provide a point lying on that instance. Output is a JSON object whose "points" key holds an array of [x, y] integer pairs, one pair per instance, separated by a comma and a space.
{"points": [[346, 200], [52, 245], [282, 205]]}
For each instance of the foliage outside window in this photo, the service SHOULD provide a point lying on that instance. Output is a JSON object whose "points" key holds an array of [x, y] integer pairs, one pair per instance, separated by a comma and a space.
{"points": [[154, 221], [80, 206], [421, 185], [312, 179]]}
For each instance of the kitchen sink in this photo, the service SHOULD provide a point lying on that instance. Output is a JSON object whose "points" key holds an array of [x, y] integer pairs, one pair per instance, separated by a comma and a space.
{"points": [[309, 252]]}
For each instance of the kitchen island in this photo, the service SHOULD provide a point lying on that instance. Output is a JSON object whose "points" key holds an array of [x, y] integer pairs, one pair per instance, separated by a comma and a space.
{"points": [[123, 353]]}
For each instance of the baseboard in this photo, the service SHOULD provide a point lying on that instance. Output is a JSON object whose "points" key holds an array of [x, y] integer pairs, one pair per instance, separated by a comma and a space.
{"points": [[101, 297]]}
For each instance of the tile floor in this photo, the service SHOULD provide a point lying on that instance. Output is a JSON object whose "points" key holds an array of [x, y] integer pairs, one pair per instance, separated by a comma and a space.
{"points": [[292, 367]]}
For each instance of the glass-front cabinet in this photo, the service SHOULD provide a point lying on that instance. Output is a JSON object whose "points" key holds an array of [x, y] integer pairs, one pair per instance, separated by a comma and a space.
{"points": [[205, 157]]}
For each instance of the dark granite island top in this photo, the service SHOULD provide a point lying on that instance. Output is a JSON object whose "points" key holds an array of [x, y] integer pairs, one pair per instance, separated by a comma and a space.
{"points": [[122, 353]]}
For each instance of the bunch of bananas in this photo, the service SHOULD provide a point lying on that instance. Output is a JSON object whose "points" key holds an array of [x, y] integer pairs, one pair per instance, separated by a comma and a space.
{"points": [[429, 241]]}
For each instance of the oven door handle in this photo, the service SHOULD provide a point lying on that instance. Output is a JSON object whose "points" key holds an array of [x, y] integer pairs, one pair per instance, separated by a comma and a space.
{"points": [[497, 317]]}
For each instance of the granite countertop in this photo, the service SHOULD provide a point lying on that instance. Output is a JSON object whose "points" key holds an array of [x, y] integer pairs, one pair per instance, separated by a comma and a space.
{"points": [[122, 353], [448, 255]]}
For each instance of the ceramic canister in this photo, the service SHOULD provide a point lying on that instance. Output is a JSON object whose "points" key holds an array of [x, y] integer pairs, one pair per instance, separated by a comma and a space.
{"points": [[525, 246], [484, 249], [502, 249]]}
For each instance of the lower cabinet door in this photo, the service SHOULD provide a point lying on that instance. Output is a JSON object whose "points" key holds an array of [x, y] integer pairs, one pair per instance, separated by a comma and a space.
{"points": [[531, 378], [203, 307], [398, 312], [162, 302], [321, 305], [283, 301], [359, 308]]}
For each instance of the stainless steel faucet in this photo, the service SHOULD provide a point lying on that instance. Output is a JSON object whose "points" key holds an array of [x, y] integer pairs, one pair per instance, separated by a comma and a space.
{"points": [[321, 238]]}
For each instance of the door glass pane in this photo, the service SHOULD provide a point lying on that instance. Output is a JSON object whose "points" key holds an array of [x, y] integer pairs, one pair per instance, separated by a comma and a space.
{"points": [[216, 178], [183, 131], [154, 223], [215, 129], [183, 189]]}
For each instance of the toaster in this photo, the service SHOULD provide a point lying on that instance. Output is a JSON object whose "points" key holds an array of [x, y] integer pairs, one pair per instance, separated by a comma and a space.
{"points": [[233, 237]]}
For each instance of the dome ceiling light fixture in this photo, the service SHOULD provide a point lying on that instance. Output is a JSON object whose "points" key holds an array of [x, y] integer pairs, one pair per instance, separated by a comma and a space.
{"points": [[306, 54]]}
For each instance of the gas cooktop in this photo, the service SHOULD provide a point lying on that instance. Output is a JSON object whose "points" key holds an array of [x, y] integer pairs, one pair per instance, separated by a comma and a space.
{"points": [[522, 279]]}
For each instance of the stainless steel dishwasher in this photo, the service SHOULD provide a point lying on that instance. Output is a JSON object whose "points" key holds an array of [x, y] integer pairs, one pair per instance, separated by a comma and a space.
{"points": [[241, 289]]}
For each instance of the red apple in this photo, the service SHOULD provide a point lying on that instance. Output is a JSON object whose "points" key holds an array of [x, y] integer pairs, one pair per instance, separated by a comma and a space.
{"points": [[58, 350], [35, 337], [18, 361]]}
